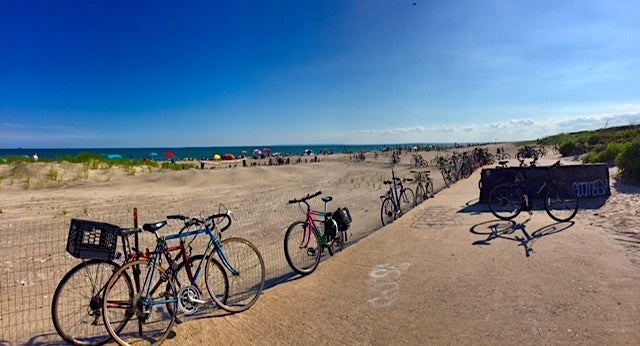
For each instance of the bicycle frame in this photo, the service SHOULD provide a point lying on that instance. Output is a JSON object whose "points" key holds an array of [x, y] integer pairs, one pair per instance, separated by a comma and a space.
{"points": [[519, 185], [396, 188], [162, 250], [312, 227]]}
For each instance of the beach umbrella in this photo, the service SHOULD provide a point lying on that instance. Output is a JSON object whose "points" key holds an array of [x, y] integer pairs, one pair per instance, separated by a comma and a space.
{"points": [[216, 157], [257, 154], [113, 156], [169, 154]]}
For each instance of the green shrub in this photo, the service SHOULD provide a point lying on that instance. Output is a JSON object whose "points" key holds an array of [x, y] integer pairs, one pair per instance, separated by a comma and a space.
{"points": [[594, 139], [568, 148], [606, 154], [629, 161]]}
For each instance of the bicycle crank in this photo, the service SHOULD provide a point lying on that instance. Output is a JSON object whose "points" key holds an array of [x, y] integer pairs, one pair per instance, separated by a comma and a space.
{"points": [[189, 299]]}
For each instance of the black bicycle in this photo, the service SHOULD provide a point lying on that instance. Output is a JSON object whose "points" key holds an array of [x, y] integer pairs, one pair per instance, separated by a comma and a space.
{"points": [[398, 200], [507, 200], [424, 189]]}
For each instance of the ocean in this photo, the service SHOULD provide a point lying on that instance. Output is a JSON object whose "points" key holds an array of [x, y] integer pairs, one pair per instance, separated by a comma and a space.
{"points": [[208, 152]]}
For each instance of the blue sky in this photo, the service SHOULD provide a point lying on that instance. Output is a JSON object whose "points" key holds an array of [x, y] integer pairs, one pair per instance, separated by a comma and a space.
{"points": [[76, 74]]}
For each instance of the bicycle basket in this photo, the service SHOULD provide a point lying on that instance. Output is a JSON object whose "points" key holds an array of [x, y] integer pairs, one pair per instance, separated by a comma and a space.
{"points": [[92, 240]]}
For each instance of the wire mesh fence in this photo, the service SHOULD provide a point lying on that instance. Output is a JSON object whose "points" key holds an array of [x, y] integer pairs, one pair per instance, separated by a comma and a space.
{"points": [[34, 260]]}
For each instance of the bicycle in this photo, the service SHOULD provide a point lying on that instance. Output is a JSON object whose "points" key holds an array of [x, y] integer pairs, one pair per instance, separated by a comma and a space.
{"points": [[396, 201], [418, 161], [424, 189], [507, 200], [305, 240], [76, 306], [144, 291]]}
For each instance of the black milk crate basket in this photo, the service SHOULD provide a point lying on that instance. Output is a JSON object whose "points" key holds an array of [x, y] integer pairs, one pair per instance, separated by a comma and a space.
{"points": [[92, 240]]}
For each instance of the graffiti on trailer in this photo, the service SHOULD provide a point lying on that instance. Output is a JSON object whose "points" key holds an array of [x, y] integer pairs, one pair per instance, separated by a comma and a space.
{"points": [[590, 189]]}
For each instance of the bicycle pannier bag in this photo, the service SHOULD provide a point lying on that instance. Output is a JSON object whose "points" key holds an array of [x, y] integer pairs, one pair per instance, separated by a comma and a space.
{"points": [[343, 218], [330, 229]]}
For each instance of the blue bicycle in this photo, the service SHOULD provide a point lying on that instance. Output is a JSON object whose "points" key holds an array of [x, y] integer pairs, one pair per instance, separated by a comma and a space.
{"points": [[150, 293]]}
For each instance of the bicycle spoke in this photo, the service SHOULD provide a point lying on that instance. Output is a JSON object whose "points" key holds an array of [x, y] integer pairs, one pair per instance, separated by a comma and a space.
{"points": [[246, 285], [145, 309], [77, 303], [302, 248]]}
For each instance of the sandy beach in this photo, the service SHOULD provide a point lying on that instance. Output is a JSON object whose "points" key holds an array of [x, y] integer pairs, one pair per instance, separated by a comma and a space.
{"points": [[38, 200]]}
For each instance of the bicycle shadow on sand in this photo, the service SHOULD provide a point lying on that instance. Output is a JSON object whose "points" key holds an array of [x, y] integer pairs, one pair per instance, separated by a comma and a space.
{"points": [[516, 232]]}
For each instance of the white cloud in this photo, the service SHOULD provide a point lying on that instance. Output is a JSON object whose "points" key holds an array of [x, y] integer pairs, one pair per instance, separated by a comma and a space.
{"points": [[509, 130]]}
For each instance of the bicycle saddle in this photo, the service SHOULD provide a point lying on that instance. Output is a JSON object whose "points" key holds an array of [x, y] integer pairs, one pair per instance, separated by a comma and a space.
{"points": [[152, 227], [327, 199]]}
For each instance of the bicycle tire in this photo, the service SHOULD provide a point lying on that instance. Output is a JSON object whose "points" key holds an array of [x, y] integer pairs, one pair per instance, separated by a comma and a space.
{"points": [[302, 248], [429, 188], [149, 319], [244, 287], [505, 201], [407, 200], [421, 194], [388, 212], [182, 280], [446, 176], [561, 202], [76, 307]]}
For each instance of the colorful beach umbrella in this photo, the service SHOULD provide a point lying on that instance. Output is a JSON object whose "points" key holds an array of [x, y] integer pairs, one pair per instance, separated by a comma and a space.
{"points": [[169, 154]]}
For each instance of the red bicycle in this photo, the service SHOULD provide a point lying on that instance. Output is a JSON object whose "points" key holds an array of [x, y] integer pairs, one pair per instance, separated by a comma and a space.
{"points": [[306, 239]]}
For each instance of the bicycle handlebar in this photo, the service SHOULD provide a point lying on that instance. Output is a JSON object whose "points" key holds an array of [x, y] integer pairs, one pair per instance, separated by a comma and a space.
{"points": [[390, 182], [188, 221], [192, 221], [304, 199], [224, 215]]}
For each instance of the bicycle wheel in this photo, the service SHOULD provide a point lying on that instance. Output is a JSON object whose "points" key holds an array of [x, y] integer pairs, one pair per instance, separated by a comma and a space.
{"points": [[447, 176], [429, 188], [142, 303], [190, 292], [302, 248], [421, 194], [505, 201], [465, 170], [76, 307], [388, 211], [407, 200], [246, 285], [561, 202]]}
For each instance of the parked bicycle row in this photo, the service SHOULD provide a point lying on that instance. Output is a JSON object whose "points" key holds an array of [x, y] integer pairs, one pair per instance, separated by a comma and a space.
{"points": [[136, 296]]}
